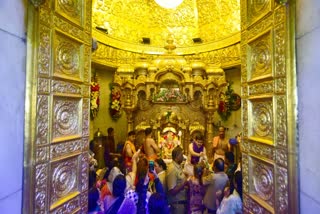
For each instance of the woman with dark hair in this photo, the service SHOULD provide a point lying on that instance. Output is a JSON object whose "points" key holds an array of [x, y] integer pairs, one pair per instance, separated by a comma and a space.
{"points": [[196, 191], [117, 203]]}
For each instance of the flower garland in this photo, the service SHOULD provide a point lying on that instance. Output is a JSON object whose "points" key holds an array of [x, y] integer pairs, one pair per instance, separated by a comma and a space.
{"points": [[115, 103], [227, 103], [94, 99]]}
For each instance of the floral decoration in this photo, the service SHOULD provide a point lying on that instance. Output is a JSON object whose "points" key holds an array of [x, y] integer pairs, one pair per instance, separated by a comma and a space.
{"points": [[115, 103], [169, 95], [229, 101], [94, 98]]}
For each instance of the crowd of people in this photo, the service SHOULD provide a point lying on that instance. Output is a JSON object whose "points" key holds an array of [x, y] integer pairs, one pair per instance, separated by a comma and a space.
{"points": [[144, 183]]}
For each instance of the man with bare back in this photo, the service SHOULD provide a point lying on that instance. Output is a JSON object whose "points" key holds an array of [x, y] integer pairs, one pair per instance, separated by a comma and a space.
{"points": [[150, 147]]}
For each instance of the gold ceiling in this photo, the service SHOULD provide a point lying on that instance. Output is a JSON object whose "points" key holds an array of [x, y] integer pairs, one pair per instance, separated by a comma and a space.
{"points": [[215, 22]]}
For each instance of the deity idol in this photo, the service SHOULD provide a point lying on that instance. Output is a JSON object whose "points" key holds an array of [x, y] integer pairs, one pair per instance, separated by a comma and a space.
{"points": [[168, 142]]}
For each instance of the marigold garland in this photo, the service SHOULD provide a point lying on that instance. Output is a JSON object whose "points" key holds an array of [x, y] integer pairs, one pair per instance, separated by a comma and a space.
{"points": [[94, 99], [228, 100], [115, 103]]}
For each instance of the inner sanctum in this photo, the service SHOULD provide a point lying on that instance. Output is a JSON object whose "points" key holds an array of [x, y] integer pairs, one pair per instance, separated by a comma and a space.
{"points": [[110, 80]]}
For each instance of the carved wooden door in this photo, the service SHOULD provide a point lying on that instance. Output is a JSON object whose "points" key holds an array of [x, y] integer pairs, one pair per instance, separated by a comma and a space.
{"points": [[269, 107], [57, 106]]}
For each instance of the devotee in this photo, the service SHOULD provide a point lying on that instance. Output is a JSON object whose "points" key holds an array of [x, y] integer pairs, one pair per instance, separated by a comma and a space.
{"points": [[176, 183], [196, 191], [214, 181], [128, 150], [160, 167], [150, 147], [117, 203], [109, 146], [158, 204], [231, 202], [230, 167], [220, 145]]}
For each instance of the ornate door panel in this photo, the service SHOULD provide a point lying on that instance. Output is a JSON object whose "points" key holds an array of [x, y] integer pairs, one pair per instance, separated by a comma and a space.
{"points": [[57, 106], [268, 91]]}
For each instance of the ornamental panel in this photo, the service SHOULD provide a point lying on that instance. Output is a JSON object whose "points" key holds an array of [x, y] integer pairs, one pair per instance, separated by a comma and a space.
{"points": [[67, 57], [258, 9], [42, 134], [261, 88], [260, 56], [64, 179], [41, 188], [44, 56], [71, 9], [262, 181], [262, 119], [281, 121], [67, 88], [59, 150], [66, 117]]}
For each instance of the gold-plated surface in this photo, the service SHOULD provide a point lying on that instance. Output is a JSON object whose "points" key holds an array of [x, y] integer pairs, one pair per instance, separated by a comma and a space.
{"points": [[131, 20], [269, 159], [57, 117]]}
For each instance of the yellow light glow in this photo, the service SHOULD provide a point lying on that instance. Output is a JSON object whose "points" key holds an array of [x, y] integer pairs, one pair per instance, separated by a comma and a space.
{"points": [[169, 3]]}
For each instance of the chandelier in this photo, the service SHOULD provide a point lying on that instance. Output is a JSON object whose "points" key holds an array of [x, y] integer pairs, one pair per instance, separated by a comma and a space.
{"points": [[169, 4]]}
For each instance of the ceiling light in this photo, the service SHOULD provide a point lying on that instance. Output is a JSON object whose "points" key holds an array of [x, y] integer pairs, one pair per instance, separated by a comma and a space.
{"points": [[169, 4]]}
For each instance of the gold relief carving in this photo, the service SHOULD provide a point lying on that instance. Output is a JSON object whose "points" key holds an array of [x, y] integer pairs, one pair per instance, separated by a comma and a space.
{"points": [[282, 190], [72, 30], [37, 3], [84, 198], [62, 87], [261, 26], [88, 16], [245, 91], [244, 72], [262, 150], [244, 17], [68, 207], [42, 154], [66, 148], [85, 143], [252, 206], [141, 18], [280, 50], [260, 56], [245, 117], [71, 9], [44, 50], [87, 64], [262, 119], [64, 179], [281, 121], [281, 157], [45, 16], [261, 88], [263, 181], [86, 91], [67, 57], [41, 189], [257, 9], [245, 168], [281, 85], [43, 86], [279, 15], [84, 168], [85, 117], [42, 120], [66, 120]]}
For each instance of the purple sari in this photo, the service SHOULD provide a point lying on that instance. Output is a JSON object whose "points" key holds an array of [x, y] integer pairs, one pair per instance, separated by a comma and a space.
{"points": [[195, 159]]}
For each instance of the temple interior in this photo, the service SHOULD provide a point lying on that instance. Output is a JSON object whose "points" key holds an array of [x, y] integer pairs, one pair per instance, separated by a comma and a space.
{"points": [[77, 68]]}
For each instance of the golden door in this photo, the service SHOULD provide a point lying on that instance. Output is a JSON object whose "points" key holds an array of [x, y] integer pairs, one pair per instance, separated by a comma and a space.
{"points": [[269, 160], [57, 106]]}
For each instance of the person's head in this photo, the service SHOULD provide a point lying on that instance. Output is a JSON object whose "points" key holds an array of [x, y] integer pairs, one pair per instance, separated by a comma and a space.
{"points": [[198, 172], [114, 172], [237, 179], [222, 132], [148, 131], [160, 165], [111, 131], [218, 165], [229, 158], [132, 136], [142, 168], [158, 204], [119, 185], [199, 139], [177, 154]]}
